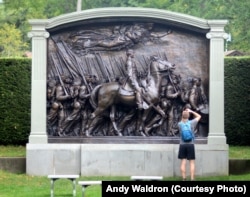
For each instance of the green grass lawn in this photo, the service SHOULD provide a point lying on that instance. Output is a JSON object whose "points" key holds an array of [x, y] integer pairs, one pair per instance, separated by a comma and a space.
{"points": [[12, 151], [235, 152], [22, 185], [239, 152]]}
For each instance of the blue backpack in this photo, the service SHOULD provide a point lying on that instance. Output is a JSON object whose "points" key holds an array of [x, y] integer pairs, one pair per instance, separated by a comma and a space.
{"points": [[186, 131]]}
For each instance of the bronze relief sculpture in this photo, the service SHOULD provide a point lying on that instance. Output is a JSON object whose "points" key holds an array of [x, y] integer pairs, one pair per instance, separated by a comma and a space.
{"points": [[123, 80]]}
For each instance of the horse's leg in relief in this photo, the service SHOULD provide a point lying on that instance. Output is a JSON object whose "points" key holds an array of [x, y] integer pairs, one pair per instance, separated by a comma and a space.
{"points": [[140, 123], [92, 120], [112, 118], [152, 124], [143, 118], [103, 104], [97, 112], [89, 127], [125, 119]]}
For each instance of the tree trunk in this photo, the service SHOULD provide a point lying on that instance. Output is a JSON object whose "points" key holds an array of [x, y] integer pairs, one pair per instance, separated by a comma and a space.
{"points": [[79, 5]]}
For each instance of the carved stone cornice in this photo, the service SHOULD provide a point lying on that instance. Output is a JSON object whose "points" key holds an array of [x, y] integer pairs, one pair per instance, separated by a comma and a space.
{"points": [[111, 13], [211, 35], [38, 28], [217, 29], [43, 34]]}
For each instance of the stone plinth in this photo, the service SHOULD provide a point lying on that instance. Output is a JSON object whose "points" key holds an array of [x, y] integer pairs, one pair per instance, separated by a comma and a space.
{"points": [[122, 159]]}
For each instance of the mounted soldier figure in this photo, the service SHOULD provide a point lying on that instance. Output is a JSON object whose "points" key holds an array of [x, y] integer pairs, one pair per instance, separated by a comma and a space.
{"points": [[112, 94], [132, 78]]}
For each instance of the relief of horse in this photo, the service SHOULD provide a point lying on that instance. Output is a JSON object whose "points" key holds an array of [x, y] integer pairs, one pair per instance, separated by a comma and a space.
{"points": [[109, 95]]}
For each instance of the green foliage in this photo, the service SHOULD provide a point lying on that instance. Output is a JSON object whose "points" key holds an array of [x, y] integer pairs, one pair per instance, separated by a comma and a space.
{"points": [[15, 91], [52, 9], [30, 8], [11, 41], [238, 14], [18, 12], [237, 109]]}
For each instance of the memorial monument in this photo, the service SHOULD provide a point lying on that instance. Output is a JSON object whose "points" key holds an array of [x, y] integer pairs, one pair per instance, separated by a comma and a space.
{"points": [[109, 86]]}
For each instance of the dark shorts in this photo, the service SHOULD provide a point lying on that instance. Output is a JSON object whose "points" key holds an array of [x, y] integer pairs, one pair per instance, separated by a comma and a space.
{"points": [[186, 151]]}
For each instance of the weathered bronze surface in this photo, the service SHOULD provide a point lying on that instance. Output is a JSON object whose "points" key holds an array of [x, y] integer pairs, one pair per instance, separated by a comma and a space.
{"points": [[125, 79]]}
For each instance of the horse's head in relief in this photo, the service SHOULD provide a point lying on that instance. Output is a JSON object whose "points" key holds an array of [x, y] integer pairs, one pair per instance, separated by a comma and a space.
{"points": [[160, 65]]}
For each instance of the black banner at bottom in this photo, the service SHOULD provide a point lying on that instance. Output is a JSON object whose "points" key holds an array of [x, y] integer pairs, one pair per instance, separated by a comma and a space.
{"points": [[174, 188]]}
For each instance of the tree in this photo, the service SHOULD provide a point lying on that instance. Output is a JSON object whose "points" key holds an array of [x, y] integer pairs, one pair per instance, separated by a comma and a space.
{"points": [[79, 5], [18, 12], [239, 21], [11, 41], [55, 8]]}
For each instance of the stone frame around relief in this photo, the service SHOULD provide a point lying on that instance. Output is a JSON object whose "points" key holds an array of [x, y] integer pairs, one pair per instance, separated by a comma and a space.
{"points": [[212, 29]]}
